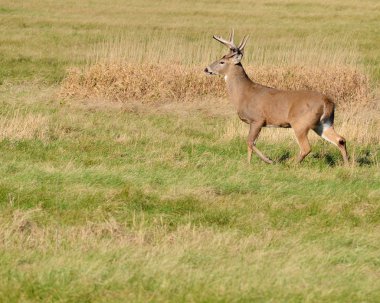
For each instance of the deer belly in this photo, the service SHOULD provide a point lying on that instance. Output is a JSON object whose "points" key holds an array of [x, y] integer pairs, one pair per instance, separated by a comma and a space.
{"points": [[280, 125]]}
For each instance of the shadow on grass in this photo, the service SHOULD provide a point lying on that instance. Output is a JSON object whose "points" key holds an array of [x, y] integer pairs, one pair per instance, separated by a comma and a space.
{"points": [[330, 160], [284, 157], [366, 158]]}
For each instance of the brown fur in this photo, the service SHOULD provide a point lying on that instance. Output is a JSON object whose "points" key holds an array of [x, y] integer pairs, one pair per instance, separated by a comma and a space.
{"points": [[262, 106]]}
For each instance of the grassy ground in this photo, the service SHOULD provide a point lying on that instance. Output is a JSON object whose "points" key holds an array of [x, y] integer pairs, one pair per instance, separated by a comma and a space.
{"points": [[39, 39], [103, 201]]}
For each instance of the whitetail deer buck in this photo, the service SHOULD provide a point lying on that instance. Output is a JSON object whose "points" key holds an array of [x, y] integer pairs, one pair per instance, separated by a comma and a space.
{"points": [[262, 106]]}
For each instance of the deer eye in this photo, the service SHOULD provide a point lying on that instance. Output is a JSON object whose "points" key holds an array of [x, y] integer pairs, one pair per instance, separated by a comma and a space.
{"points": [[222, 62]]}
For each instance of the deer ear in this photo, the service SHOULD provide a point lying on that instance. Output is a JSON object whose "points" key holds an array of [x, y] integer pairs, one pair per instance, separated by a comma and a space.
{"points": [[237, 58]]}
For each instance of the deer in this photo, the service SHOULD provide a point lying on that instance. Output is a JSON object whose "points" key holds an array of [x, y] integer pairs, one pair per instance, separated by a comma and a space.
{"points": [[262, 106]]}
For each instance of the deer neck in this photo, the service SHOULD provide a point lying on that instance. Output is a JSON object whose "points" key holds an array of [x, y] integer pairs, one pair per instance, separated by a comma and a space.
{"points": [[237, 82]]}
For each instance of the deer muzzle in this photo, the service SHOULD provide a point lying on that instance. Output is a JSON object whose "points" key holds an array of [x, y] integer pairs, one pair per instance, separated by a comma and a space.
{"points": [[209, 72]]}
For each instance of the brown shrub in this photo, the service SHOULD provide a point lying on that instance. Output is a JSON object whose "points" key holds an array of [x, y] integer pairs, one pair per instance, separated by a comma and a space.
{"points": [[152, 83]]}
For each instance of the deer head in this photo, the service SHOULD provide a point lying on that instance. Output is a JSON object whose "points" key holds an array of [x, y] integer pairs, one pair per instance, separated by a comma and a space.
{"points": [[234, 56]]}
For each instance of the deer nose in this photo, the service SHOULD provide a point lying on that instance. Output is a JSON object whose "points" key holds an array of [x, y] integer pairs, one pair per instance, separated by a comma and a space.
{"points": [[206, 70]]}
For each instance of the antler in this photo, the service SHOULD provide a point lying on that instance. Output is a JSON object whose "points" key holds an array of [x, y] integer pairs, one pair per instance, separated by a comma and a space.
{"points": [[231, 43], [227, 43], [243, 43]]}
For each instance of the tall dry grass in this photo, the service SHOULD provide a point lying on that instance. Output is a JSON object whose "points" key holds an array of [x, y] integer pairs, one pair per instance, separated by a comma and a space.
{"points": [[185, 48], [152, 83], [168, 66], [18, 125]]}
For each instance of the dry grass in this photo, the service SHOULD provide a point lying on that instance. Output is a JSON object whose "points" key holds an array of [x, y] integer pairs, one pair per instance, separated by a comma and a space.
{"points": [[168, 66], [163, 47], [152, 83], [147, 83], [16, 125]]}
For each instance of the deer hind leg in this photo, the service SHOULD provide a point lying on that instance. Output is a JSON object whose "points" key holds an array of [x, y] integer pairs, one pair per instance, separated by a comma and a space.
{"points": [[331, 136], [303, 142], [254, 131]]}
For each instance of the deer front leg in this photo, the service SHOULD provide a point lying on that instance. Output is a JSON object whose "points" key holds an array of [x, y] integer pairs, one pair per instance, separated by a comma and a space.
{"points": [[254, 131]]}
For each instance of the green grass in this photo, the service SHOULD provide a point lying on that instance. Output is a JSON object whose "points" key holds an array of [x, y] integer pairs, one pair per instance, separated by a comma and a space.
{"points": [[110, 205], [40, 39], [115, 202]]}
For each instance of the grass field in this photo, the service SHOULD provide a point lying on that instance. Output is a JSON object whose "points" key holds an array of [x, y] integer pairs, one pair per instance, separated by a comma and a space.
{"points": [[146, 199]]}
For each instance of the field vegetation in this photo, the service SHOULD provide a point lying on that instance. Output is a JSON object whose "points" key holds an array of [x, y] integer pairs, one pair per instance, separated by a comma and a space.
{"points": [[124, 174]]}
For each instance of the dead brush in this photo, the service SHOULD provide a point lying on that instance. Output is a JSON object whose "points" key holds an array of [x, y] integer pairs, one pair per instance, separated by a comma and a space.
{"points": [[148, 83]]}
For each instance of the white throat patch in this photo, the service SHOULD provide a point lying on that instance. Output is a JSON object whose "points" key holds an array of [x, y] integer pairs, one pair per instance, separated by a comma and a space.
{"points": [[225, 78]]}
